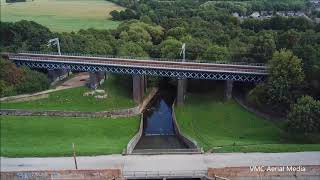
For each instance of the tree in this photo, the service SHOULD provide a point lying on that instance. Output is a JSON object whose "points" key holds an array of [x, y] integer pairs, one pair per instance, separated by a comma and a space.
{"points": [[131, 49], [216, 53], [289, 39], [115, 15], [177, 32], [264, 46], [170, 48], [285, 77], [304, 116]]}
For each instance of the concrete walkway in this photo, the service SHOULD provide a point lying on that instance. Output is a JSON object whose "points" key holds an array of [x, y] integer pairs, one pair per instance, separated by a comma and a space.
{"points": [[163, 162]]}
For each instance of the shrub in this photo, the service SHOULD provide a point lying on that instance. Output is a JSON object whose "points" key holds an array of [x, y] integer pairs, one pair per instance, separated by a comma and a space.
{"points": [[14, 80], [33, 81], [304, 116]]}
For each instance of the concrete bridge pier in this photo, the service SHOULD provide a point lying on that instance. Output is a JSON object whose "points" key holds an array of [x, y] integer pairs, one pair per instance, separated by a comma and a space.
{"points": [[181, 90], [228, 89], [139, 86], [96, 79]]}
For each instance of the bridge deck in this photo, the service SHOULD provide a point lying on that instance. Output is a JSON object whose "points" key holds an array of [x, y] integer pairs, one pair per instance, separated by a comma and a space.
{"points": [[141, 63]]}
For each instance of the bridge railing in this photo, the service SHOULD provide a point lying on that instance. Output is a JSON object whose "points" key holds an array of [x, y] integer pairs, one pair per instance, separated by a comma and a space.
{"points": [[143, 58]]}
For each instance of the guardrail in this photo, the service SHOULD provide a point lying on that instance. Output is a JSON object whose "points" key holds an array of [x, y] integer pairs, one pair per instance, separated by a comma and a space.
{"points": [[143, 58]]}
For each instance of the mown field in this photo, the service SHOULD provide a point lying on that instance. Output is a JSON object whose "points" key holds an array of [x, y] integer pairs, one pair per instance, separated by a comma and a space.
{"points": [[53, 136], [62, 15], [220, 126], [119, 96]]}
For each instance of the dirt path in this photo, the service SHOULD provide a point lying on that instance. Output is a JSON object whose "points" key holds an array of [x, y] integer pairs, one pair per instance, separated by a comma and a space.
{"points": [[79, 79]]}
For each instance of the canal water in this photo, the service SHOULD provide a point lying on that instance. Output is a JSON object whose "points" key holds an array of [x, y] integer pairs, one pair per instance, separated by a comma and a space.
{"points": [[158, 126]]}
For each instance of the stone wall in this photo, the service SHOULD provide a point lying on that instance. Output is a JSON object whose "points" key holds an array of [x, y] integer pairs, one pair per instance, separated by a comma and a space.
{"points": [[62, 174], [115, 113]]}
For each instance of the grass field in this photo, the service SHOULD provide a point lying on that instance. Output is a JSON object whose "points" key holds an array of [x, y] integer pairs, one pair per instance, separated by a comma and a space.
{"points": [[119, 96], [62, 15], [226, 127], [53, 136]]}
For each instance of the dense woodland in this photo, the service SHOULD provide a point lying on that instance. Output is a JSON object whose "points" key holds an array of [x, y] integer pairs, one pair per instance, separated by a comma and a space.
{"points": [[150, 28]]}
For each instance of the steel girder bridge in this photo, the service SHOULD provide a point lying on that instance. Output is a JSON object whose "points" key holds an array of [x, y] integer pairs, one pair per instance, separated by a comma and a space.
{"points": [[140, 67], [143, 66]]}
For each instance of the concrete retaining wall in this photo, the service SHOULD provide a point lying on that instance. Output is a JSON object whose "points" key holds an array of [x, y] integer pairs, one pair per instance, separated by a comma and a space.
{"points": [[244, 173], [134, 141], [115, 113], [62, 174]]}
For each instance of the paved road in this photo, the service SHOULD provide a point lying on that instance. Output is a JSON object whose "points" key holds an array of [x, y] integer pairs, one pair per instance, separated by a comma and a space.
{"points": [[162, 162]]}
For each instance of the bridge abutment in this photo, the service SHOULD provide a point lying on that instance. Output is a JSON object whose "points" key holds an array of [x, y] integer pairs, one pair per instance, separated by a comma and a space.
{"points": [[57, 74], [181, 90], [139, 86], [96, 79], [228, 89]]}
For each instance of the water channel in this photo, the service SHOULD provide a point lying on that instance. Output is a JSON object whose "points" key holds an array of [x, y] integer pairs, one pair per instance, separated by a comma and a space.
{"points": [[158, 125]]}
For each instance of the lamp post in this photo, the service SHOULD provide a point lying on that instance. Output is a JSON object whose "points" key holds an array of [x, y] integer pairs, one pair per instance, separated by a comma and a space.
{"points": [[55, 41], [183, 52]]}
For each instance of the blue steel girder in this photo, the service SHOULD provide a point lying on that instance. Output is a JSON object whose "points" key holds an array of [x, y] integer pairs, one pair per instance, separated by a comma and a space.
{"points": [[243, 77]]}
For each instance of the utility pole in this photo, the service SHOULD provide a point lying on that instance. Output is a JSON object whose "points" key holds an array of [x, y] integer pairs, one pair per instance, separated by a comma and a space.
{"points": [[74, 156], [55, 41]]}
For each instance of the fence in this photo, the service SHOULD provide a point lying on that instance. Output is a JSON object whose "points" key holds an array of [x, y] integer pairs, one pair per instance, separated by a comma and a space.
{"points": [[165, 174]]}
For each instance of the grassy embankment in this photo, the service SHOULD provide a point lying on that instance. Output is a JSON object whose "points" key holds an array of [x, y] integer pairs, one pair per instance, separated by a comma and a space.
{"points": [[62, 15], [119, 96], [227, 127], [53, 136]]}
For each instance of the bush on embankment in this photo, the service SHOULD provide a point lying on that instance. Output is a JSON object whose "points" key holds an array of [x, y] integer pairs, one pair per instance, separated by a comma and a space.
{"points": [[14, 80]]}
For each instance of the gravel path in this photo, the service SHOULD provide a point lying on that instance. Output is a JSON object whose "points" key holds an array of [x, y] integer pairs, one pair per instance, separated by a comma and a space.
{"points": [[162, 162]]}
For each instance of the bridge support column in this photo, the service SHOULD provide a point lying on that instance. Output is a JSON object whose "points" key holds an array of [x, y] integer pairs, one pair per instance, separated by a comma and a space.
{"points": [[228, 89], [138, 87], [181, 90], [96, 79]]}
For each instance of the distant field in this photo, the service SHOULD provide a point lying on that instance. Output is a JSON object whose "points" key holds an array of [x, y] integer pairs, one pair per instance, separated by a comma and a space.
{"points": [[62, 15]]}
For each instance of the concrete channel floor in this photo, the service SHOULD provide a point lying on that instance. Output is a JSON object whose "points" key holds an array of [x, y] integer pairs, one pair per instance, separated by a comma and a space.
{"points": [[163, 162]]}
